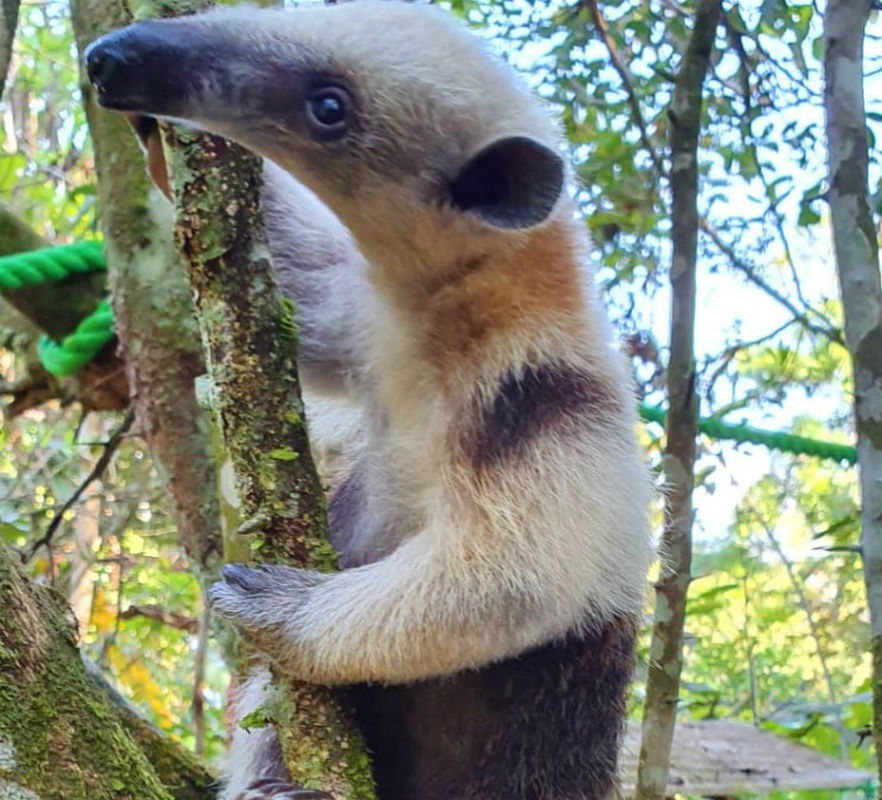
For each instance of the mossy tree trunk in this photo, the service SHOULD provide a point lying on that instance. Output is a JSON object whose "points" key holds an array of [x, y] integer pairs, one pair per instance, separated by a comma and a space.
{"points": [[249, 336], [249, 340], [61, 736], [153, 310]]}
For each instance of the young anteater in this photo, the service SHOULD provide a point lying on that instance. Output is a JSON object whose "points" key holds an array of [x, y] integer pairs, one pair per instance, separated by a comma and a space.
{"points": [[494, 526]]}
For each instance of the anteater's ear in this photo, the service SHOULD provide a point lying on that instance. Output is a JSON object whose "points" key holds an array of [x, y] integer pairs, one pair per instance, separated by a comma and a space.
{"points": [[510, 183], [147, 131]]}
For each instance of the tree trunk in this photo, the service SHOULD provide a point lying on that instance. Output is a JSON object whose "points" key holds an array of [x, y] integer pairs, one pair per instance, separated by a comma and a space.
{"points": [[249, 335], [8, 21], [61, 737], [666, 650], [152, 309], [857, 261]]}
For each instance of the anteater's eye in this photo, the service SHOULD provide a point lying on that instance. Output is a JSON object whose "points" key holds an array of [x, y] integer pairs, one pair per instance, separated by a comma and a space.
{"points": [[328, 111]]}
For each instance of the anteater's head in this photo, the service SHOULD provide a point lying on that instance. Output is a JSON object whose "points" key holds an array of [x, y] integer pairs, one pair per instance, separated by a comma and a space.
{"points": [[429, 149]]}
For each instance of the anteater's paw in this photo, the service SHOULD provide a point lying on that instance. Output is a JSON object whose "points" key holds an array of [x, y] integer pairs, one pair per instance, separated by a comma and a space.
{"points": [[274, 789], [261, 601]]}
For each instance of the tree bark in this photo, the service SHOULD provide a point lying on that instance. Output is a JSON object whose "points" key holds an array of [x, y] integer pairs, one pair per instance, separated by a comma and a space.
{"points": [[857, 262], [249, 336], [152, 309], [61, 737], [666, 649], [8, 22]]}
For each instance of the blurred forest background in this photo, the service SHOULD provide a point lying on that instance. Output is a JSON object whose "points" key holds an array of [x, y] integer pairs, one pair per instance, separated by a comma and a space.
{"points": [[777, 630]]}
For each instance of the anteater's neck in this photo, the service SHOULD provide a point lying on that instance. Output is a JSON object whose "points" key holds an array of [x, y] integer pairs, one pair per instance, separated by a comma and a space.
{"points": [[477, 307]]}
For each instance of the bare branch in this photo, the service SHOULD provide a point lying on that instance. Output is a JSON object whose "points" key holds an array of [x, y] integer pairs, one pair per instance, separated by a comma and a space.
{"points": [[161, 614], [806, 609], [749, 271], [97, 471]]}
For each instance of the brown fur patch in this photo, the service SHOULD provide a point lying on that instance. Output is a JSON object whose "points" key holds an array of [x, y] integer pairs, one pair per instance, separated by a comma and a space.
{"points": [[482, 297]]}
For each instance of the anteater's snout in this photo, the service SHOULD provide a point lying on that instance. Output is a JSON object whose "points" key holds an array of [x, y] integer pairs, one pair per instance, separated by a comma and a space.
{"points": [[114, 64], [138, 68]]}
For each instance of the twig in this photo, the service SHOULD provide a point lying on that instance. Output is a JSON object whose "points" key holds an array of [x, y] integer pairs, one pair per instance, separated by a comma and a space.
{"points": [[831, 332], [157, 613], [806, 609], [97, 471], [203, 629], [622, 70]]}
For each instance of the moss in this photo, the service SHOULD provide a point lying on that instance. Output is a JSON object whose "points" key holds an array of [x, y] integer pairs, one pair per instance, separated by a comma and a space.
{"points": [[63, 738]]}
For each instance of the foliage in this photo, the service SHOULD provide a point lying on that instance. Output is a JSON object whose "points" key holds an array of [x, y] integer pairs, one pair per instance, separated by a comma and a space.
{"points": [[121, 549]]}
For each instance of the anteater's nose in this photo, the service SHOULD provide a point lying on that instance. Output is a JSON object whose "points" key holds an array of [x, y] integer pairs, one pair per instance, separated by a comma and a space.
{"points": [[102, 57]]}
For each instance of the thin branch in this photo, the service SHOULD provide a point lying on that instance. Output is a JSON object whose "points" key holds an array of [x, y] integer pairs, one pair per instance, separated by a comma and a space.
{"points": [[831, 332], [172, 619], [203, 630], [725, 358], [97, 471], [628, 83], [806, 609]]}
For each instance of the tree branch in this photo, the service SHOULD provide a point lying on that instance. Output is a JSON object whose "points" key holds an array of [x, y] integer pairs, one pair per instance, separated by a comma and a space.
{"points": [[153, 310], [806, 609], [257, 401], [180, 772], [663, 678], [96, 472], [61, 737], [161, 614], [749, 271], [628, 83]]}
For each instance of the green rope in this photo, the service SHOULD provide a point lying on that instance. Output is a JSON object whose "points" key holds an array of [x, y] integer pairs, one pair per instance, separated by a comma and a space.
{"points": [[53, 264], [773, 440], [67, 356], [50, 264], [79, 348]]}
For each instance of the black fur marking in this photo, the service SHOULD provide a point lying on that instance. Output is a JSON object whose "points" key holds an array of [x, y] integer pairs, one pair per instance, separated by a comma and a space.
{"points": [[529, 402], [544, 726]]}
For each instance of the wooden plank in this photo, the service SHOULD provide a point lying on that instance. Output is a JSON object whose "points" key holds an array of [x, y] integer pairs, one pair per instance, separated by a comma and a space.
{"points": [[721, 757]]}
